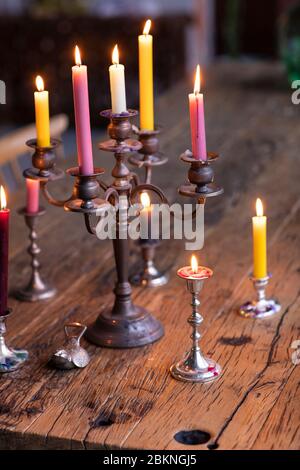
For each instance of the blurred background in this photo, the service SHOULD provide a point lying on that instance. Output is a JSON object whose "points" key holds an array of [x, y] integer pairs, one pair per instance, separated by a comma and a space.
{"points": [[38, 37]]}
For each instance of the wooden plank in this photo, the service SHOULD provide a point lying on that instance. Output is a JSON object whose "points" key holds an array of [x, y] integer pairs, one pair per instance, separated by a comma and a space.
{"points": [[131, 401]]}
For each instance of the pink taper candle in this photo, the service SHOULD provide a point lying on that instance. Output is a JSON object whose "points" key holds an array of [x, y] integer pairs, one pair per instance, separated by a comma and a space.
{"points": [[33, 190], [82, 116], [197, 120]]}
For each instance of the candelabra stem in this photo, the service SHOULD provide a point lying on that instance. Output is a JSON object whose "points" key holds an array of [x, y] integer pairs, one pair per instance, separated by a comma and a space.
{"points": [[37, 289], [10, 359], [125, 325]]}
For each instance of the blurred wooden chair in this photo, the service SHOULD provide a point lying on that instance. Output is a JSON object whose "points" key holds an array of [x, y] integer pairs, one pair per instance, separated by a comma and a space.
{"points": [[15, 155]]}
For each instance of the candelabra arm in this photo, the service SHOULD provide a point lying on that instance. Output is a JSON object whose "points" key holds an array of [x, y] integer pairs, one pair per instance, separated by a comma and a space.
{"points": [[50, 199], [88, 224]]}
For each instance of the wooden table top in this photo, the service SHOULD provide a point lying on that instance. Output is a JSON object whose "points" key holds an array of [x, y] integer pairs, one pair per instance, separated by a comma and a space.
{"points": [[126, 398]]}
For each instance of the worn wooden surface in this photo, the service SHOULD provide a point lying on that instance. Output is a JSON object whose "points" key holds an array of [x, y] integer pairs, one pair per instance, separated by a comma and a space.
{"points": [[126, 398]]}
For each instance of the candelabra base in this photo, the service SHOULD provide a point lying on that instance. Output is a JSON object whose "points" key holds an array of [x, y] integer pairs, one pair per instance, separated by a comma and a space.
{"points": [[262, 307], [10, 359], [114, 330], [196, 368]]}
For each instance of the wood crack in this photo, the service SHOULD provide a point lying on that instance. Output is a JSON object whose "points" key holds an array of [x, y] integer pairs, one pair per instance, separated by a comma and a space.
{"points": [[215, 443]]}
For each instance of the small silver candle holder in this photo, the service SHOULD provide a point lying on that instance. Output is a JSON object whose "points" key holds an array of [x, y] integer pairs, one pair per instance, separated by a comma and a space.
{"points": [[37, 289], [261, 307], [149, 275], [195, 367], [10, 359]]}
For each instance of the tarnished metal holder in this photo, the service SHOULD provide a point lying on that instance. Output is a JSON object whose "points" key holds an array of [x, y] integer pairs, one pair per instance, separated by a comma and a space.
{"points": [[125, 325], [195, 367], [261, 307], [201, 177], [37, 288]]}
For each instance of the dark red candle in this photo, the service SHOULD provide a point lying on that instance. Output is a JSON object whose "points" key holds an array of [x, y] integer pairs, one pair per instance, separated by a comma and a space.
{"points": [[4, 235]]}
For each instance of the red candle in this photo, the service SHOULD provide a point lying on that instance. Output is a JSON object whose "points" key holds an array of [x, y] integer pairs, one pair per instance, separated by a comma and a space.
{"points": [[4, 235], [33, 192], [82, 116], [194, 272], [197, 118]]}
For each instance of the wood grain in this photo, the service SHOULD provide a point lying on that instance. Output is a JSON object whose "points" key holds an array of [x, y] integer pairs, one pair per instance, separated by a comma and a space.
{"points": [[127, 399]]}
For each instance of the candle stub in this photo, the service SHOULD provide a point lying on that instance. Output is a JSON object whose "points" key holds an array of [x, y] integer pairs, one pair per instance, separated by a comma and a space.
{"points": [[189, 273]]}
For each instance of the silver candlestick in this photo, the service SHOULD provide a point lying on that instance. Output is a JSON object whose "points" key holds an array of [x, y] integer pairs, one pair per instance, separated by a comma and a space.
{"points": [[10, 359], [195, 367], [261, 307]]}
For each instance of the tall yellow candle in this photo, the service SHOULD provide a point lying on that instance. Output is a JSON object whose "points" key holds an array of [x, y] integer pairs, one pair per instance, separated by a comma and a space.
{"points": [[146, 78], [42, 121], [260, 242]]}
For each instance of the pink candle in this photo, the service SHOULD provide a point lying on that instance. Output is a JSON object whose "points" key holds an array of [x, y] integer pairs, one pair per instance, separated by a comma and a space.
{"points": [[196, 101], [33, 192], [82, 116]]}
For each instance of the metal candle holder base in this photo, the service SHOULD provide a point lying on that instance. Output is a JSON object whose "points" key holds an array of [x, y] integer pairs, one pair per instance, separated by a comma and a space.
{"points": [[37, 289], [195, 367], [149, 275], [10, 359], [262, 307]]}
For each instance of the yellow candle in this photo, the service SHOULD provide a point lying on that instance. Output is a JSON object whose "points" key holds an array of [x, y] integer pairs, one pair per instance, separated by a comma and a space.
{"points": [[42, 122], [260, 242], [146, 79], [117, 84]]}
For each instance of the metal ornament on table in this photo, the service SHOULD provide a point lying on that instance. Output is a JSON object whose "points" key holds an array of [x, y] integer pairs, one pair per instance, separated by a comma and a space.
{"points": [[195, 367], [148, 157], [37, 289], [261, 307], [72, 355], [10, 359]]}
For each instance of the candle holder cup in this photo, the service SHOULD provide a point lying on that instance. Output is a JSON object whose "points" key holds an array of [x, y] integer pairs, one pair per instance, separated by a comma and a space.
{"points": [[201, 177], [37, 289], [148, 157], [261, 307], [10, 359], [195, 366]]}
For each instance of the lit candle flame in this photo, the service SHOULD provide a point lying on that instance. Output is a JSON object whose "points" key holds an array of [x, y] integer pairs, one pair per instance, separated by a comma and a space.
{"points": [[77, 56], [145, 200], [2, 198], [259, 208], [197, 86], [39, 83], [147, 27], [115, 55], [194, 264]]}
